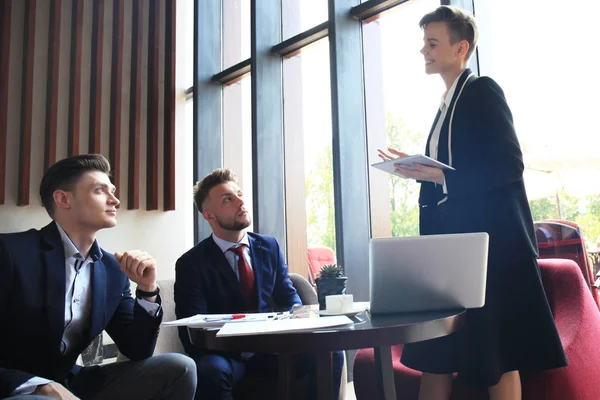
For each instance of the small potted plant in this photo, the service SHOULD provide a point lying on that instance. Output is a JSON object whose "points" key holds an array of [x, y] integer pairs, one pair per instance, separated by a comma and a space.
{"points": [[330, 280]]}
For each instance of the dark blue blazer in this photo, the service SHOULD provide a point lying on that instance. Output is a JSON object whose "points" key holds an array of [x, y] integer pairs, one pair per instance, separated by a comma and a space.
{"points": [[205, 283], [32, 304]]}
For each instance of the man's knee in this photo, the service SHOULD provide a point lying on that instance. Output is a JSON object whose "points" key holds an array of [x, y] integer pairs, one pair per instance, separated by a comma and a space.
{"points": [[215, 371], [177, 362], [178, 368]]}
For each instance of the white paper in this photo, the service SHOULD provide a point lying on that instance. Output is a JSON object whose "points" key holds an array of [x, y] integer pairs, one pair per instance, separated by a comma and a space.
{"points": [[217, 320], [390, 165], [282, 326]]}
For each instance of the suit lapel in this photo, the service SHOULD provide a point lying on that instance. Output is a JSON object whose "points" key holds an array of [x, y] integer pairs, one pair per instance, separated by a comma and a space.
{"points": [[52, 256], [443, 142], [98, 298], [257, 257], [459, 84], [218, 260]]}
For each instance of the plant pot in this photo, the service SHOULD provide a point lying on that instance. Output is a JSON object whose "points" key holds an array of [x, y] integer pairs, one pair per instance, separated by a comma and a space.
{"points": [[328, 286]]}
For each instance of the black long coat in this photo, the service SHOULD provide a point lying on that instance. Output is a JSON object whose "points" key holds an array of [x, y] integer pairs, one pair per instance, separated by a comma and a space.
{"points": [[485, 193]]}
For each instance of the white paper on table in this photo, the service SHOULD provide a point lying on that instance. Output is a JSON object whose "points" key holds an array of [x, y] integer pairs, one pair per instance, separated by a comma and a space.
{"points": [[282, 326], [218, 320]]}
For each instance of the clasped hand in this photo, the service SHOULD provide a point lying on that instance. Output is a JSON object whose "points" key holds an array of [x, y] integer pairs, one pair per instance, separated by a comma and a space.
{"points": [[140, 267], [420, 172]]}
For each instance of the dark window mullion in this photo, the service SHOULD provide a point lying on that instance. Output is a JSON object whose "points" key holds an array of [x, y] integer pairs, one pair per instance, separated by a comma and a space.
{"points": [[371, 8], [233, 73], [295, 43], [207, 107], [350, 161], [267, 120]]}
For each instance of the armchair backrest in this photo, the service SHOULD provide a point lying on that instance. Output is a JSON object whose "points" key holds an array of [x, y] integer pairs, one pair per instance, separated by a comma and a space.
{"points": [[319, 256], [563, 239], [304, 288], [168, 338], [578, 322]]}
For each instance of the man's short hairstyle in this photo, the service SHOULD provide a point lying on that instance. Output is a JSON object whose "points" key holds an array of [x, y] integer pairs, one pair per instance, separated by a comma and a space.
{"points": [[65, 174], [215, 178], [461, 25]]}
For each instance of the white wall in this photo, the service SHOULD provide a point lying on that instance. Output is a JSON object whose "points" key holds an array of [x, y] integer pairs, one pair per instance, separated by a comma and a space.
{"points": [[165, 235]]}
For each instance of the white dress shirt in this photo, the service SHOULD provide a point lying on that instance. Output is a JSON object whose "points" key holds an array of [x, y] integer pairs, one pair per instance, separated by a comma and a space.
{"points": [[78, 293], [231, 257]]}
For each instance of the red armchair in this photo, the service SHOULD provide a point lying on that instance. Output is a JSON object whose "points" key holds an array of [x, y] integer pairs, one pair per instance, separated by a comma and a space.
{"points": [[563, 239], [319, 256], [578, 323]]}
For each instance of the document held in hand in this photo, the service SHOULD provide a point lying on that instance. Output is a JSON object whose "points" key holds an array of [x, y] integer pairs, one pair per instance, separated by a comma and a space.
{"points": [[406, 162]]}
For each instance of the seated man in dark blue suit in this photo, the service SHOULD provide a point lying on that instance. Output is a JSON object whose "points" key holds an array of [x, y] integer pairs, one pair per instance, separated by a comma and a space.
{"points": [[59, 290], [233, 271]]}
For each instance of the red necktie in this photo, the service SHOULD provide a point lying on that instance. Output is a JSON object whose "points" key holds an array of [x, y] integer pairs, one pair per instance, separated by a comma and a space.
{"points": [[246, 276]]}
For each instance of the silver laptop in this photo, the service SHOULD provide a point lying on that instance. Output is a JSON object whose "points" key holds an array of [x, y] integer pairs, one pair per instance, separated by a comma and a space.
{"points": [[426, 273]]}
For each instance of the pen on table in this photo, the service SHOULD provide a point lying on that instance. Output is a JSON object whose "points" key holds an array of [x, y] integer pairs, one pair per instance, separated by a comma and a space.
{"points": [[234, 316], [280, 315]]}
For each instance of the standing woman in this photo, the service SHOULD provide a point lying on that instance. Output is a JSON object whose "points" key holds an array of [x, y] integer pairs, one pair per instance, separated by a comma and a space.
{"points": [[473, 132]]}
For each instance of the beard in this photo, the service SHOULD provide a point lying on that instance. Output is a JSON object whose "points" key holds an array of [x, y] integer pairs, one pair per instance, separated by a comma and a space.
{"points": [[234, 225]]}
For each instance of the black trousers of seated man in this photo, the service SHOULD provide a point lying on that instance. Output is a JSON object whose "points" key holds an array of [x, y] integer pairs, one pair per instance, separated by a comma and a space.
{"points": [[170, 376], [218, 375]]}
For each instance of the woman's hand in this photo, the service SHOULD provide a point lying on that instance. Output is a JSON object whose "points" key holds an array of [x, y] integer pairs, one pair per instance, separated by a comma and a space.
{"points": [[420, 172], [387, 156]]}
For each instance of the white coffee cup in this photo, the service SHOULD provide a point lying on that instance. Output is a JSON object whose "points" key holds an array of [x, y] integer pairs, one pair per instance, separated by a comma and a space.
{"points": [[339, 303]]}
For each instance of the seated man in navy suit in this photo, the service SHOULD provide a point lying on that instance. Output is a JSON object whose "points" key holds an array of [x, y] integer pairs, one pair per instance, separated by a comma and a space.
{"points": [[59, 290], [233, 271]]}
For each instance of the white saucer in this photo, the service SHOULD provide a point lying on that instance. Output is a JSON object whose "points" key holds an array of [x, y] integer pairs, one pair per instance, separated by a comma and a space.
{"points": [[352, 313]]}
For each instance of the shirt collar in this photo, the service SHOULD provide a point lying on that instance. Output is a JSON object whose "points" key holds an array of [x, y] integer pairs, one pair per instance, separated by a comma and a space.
{"points": [[225, 245], [72, 251], [448, 98]]}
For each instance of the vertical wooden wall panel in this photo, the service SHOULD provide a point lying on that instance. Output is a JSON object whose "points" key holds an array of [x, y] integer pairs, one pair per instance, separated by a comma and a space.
{"points": [[133, 193], [152, 109], [169, 107], [75, 78], [52, 85], [5, 22], [116, 91], [63, 90], [26, 103], [96, 75]]}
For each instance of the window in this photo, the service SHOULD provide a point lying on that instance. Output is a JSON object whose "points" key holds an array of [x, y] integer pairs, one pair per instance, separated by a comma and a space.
{"points": [[401, 103], [555, 107], [236, 32], [301, 15], [307, 213], [237, 134], [308, 153]]}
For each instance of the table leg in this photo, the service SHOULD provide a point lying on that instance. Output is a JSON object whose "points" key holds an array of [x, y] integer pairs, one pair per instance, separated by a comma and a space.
{"points": [[385, 372], [324, 375], [285, 375]]}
